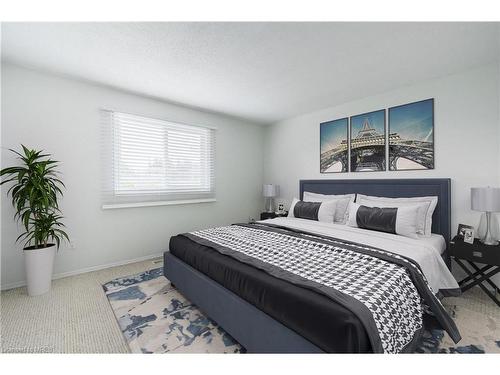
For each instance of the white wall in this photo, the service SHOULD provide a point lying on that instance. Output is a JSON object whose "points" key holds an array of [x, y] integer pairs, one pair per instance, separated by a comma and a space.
{"points": [[61, 116], [467, 144]]}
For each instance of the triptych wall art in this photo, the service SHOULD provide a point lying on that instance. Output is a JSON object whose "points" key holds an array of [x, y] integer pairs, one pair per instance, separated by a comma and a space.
{"points": [[368, 143]]}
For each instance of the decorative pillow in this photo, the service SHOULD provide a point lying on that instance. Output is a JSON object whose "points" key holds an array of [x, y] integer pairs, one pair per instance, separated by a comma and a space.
{"points": [[306, 210], [427, 205], [397, 220], [342, 203], [320, 211]]}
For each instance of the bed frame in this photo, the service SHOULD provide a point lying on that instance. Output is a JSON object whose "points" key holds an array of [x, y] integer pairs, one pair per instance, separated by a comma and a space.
{"points": [[257, 331]]}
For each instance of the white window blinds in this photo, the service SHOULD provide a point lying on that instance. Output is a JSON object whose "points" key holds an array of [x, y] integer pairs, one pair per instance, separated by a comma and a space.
{"points": [[150, 160]]}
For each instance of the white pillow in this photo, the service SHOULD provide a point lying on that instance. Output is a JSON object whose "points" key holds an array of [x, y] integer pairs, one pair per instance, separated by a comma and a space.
{"points": [[424, 218], [342, 203], [326, 212], [292, 206], [406, 219]]}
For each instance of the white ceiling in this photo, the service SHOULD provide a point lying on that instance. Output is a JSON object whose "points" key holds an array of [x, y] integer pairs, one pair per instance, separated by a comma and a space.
{"points": [[262, 72]]}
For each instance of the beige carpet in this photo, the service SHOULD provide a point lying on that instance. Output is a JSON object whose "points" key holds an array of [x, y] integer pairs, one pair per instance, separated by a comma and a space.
{"points": [[75, 317]]}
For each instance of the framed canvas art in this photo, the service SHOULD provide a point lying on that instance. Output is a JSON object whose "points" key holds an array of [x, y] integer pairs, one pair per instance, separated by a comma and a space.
{"points": [[333, 146], [411, 136], [367, 142]]}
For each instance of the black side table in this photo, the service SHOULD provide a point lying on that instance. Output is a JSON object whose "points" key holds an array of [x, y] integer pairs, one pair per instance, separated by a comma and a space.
{"points": [[271, 215], [464, 253]]}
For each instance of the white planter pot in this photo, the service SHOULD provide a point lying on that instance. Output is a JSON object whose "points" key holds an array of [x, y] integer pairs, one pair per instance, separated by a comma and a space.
{"points": [[39, 264]]}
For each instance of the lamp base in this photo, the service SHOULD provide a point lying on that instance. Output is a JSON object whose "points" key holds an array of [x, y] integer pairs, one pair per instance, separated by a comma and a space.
{"points": [[269, 205], [488, 238]]}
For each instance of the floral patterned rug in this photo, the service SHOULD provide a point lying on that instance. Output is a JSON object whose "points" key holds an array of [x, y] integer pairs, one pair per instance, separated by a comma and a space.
{"points": [[155, 318]]}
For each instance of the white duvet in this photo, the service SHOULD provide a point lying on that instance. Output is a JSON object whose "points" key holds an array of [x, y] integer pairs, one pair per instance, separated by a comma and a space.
{"points": [[425, 251]]}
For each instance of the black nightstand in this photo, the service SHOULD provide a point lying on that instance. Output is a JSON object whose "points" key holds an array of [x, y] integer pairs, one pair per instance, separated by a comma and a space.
{"points": [[463, 252], [271, 215]]}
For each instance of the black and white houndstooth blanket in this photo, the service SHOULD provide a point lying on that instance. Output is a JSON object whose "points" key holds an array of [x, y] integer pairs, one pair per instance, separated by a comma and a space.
{"points": [[386, 291]]}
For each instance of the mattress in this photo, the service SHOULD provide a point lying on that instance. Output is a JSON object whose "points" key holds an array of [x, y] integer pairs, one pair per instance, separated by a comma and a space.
{"points": [[326, 323]]}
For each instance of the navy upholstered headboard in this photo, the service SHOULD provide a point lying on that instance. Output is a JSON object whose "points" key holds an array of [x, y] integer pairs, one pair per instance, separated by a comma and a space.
{"points": [[394, 188]]}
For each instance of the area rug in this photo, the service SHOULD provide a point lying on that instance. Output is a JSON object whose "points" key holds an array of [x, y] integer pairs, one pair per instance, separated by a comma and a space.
{"points": [[155, 318]]}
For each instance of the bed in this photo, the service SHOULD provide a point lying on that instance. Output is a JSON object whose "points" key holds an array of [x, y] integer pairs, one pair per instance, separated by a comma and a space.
{"points": [[269, 311]]}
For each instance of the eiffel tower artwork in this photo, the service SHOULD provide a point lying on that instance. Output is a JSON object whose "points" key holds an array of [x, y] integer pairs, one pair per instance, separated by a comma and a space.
{"points": [[367, 130], [411, 136], [333, 144], [368, 142]]}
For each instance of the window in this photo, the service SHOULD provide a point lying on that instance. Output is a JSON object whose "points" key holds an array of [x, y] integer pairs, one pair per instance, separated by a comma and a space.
{"points": [[151, 161]]}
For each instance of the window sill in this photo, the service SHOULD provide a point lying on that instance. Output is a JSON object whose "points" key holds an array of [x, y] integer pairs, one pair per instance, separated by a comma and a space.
{"points": [[152, 204]]}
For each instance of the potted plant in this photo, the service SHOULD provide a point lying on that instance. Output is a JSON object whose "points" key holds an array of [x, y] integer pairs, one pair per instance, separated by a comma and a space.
{"points": [[34, 191]]}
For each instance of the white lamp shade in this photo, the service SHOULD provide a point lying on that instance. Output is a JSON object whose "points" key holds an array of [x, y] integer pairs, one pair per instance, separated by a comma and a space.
{"points": [[486, 199], [270, 190]]}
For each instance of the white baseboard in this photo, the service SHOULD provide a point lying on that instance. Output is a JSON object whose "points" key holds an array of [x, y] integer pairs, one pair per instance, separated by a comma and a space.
{"points": [[61, 275]]}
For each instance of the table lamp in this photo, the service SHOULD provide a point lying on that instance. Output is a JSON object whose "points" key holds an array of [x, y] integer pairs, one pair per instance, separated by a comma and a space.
{"points": [[269, 191], [486, 199]]}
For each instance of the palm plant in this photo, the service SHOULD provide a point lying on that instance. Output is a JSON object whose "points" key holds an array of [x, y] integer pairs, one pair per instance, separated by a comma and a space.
{"points": [[34, 194]]}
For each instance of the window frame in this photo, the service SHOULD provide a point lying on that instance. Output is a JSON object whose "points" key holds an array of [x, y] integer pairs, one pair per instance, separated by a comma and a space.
{"points": [[112, 200]]}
